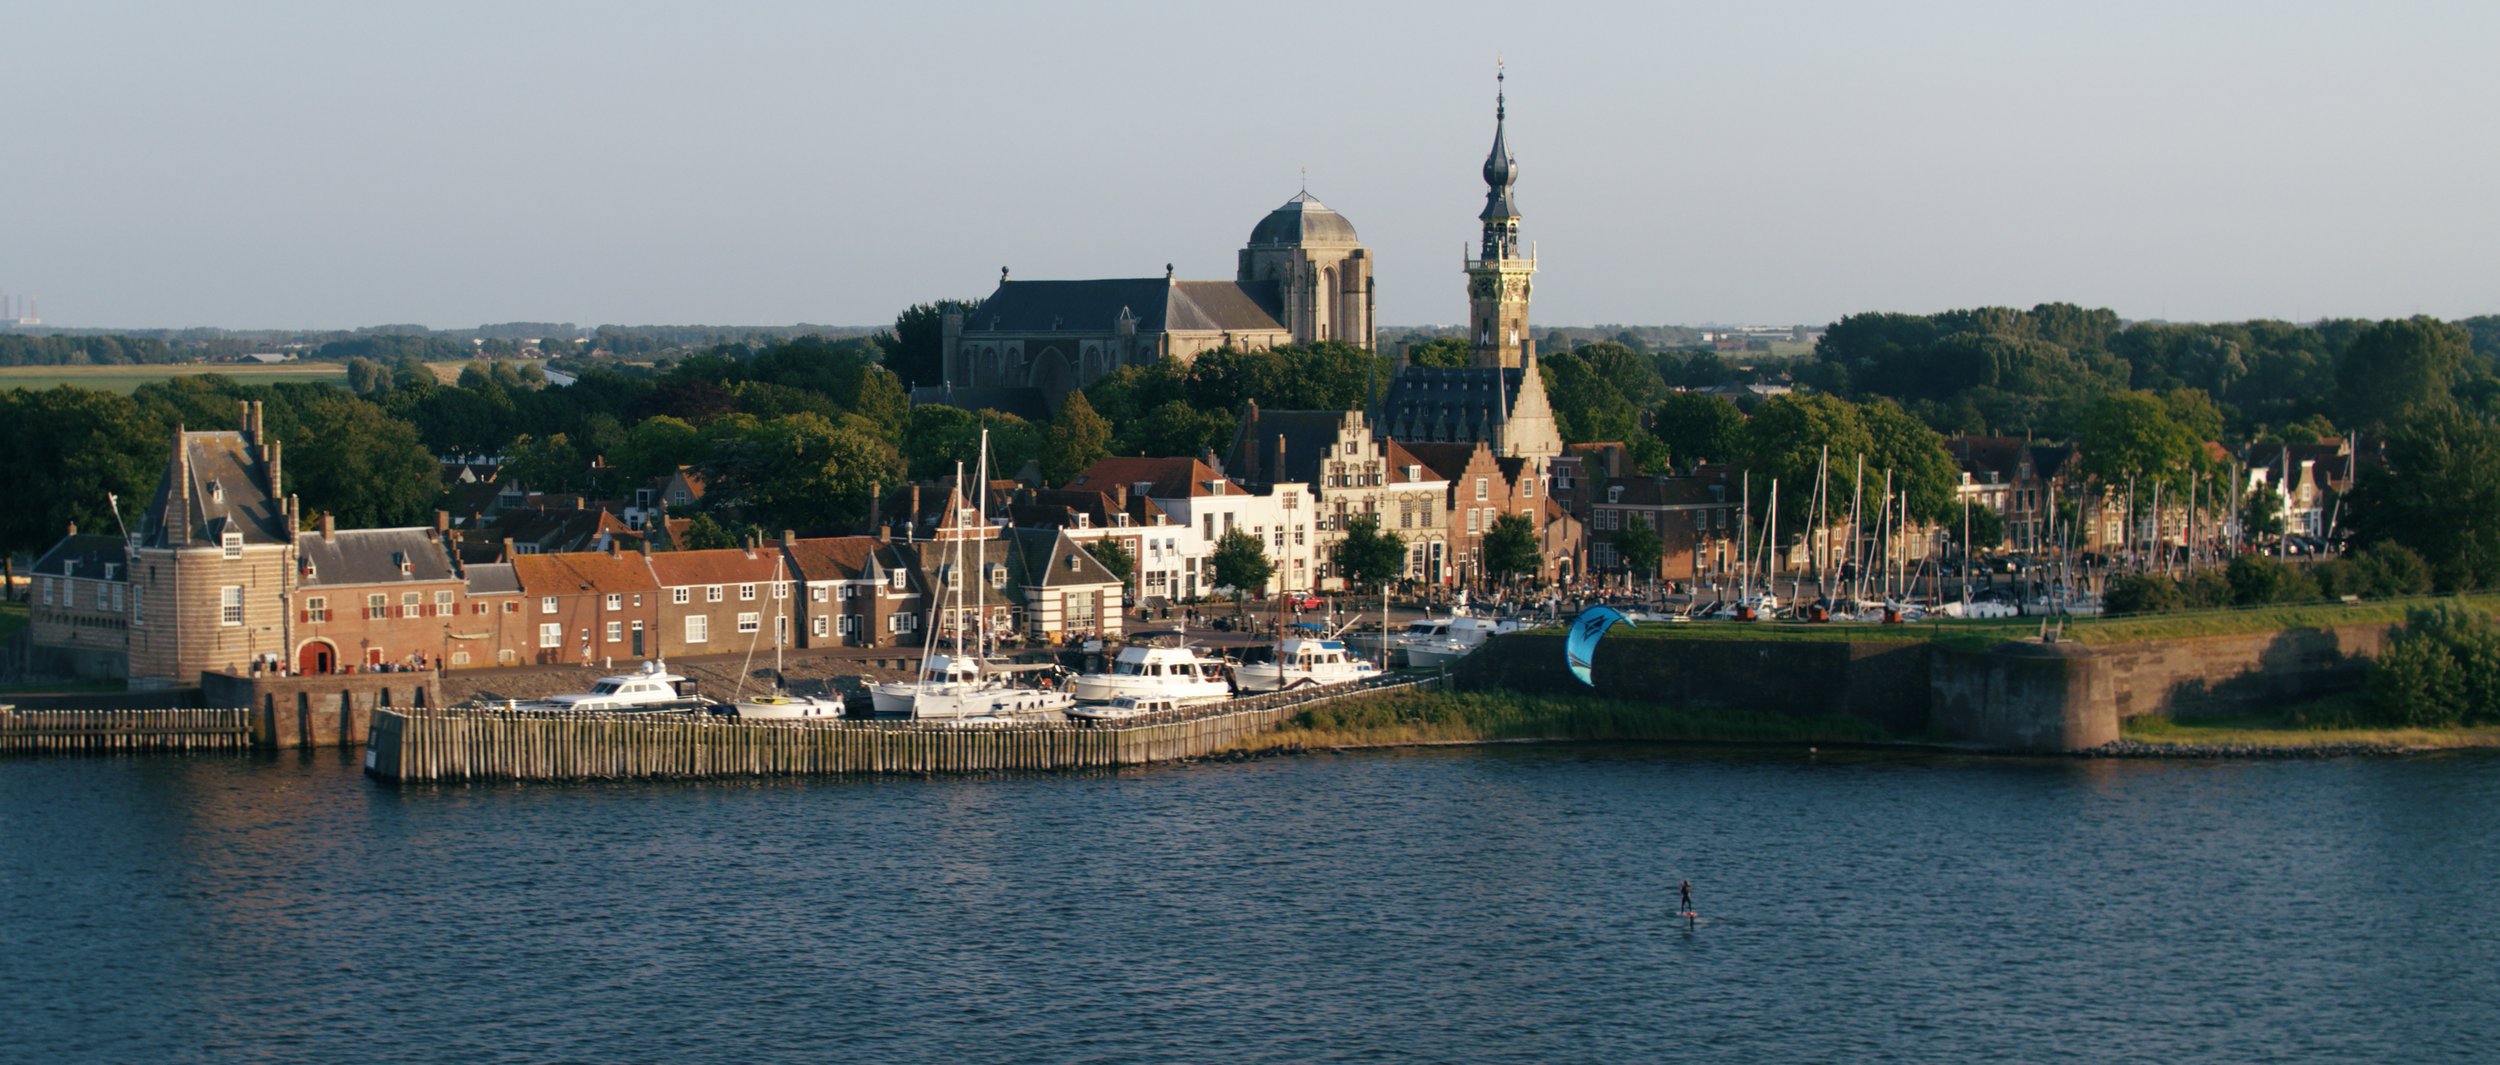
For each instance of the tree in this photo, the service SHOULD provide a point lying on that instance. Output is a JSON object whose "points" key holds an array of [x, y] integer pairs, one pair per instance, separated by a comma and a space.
{"points": [[1078, 438], [799, 471], [1696, 428], [87, 444], [2133, 437], [1510, 549], [1639, 547], [1113, 557], [914, 348], [2397, 368], [2143, 593], [1368, 557], [1785, 440], [1443, 353], [655, 447], [1987, 529], [2439, 496], [1240, 563], [365, 376], [543, 464], [705, 533], [2257, 580], [2261, 514]]}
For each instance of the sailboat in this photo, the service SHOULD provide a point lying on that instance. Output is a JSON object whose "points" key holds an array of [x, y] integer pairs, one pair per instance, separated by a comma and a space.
{"points": [[782, 704], [954, 688]]}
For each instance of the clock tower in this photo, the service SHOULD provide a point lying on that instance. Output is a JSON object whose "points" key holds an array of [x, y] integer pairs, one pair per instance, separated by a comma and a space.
{"points": [[1498, 280]]}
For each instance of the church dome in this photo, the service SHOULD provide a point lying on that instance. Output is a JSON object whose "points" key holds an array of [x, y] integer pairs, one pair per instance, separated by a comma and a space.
{"points": [[1302, 221]]}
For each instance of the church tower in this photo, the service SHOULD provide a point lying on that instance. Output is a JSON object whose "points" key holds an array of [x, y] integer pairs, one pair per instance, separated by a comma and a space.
{"points": [[1497, 283]]}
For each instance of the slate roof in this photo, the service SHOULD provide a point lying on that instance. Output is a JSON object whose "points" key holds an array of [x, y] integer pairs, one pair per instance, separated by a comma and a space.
{"points": [[493, 578], [1665, 492], [832, 558], [1308, 435], [1448, 462], [1441, 404], [224, 494], [1048, 558], [372, 556], [1400, 457], [1159, 304], [86, 556]]}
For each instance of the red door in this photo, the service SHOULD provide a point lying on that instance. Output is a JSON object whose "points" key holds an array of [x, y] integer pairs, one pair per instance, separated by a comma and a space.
{"points": [[316, 657]]}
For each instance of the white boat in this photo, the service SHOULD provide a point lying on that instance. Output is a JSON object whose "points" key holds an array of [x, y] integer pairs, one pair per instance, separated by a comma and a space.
{"points": [[1456, 636], [652, 690], [788, 706], [1302, 662], [1123, 707], [956, 688], [1180, 674]]}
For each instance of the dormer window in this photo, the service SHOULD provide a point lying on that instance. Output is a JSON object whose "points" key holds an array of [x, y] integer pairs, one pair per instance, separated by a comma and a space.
{"points": [[1084, 521], [1614, 493], [896, 581], [233, 543], [998, 575], [216, 492]]}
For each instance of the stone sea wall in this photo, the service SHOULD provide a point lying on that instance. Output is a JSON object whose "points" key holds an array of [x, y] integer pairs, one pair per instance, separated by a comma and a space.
{"points": [[2025, 696]]}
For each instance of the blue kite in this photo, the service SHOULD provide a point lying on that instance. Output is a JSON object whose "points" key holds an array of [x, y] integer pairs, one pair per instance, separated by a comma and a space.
{"points": [[1581, 646]]}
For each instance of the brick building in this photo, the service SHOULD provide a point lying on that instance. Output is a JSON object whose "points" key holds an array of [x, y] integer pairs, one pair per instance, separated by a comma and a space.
{"points": [[1694, 519], [728, 599], [213, 565], [77, 607], [588, 607], [365, 597], [855, 591]]}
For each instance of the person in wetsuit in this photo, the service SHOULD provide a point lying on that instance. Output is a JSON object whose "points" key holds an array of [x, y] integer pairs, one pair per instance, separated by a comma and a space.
{"points": [[1687, 892]]}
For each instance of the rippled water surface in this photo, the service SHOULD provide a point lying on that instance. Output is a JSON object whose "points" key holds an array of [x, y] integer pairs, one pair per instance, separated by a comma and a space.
{"points": [[1442, 905]]}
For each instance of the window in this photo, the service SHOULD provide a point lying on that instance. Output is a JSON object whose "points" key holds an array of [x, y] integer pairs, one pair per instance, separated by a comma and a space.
{"points": [[139, 606], [1527, 486], [546, 604], [460, 658], [47, 591], [1484, 486], [897, 581], [998, 573], [850, 624], [616, 601], [817, 625], [746, 593], [616, 631], [511, 606], [680, 595], [317, 608], [711, 593], [749, 621], [407, 604], [816, 593], [233, 543], [551, 634], [698, 628], [442, 605], [377, 606], [1471, 519], [781, 589], [99, 595], [1210, 534]]}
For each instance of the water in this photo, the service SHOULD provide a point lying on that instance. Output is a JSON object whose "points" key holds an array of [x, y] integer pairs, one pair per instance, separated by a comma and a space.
{"points": [[1504, 904]]}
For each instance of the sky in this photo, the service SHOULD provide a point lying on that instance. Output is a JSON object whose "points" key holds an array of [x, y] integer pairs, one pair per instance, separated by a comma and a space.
{"points": [[324, 165]]}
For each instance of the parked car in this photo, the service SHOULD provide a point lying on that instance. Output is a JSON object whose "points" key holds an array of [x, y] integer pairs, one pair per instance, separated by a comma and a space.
{"points": [[1304, 602]]}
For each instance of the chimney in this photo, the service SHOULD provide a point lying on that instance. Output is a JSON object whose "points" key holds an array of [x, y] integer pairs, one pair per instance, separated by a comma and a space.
{"points": [[788, 537], [913, 516], [614, 551], [876, 509], [508, 553], [1120, 493], [73, 528], [272, 471], [1278, 473], [178, 506], [245, 406], [329, 527], [442, 525]]}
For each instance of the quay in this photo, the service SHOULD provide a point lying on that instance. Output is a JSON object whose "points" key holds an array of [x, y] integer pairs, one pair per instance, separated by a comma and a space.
{"points": [[422, 746]]}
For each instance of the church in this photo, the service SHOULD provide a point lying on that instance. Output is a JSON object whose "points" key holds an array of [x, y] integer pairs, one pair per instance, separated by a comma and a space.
{"points": [[1304, 278]]}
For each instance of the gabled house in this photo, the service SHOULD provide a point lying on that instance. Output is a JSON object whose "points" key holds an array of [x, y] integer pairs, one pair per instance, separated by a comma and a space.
{"points": [[1062, 592], [856, 591], [77, 612], [588, 607], [723, 600], [1204, 504], [367, 597], [1694, 519]]}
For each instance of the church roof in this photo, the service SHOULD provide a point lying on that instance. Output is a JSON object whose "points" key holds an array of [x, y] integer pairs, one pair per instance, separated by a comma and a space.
{"points": [[1158, 304], [1427, 404], [1301, 222]]}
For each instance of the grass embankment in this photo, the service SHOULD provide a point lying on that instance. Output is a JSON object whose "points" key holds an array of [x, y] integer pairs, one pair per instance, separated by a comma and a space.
{"points": [[2082, 630], [2316, 723], [12, 618], [1412, 718]]}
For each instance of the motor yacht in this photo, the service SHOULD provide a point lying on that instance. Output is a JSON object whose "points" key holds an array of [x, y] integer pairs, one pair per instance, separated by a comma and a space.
{"points": [[653, 689], [1301, 662], [1142, 669], [1457, 635], [1123, 707], [788, 706]]}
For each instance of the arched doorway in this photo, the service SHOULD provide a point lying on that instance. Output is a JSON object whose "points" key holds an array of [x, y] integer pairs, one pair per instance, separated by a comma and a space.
{"points": [[316, 657]]}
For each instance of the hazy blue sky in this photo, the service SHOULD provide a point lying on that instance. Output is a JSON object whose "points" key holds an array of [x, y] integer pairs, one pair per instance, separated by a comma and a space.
{"points": [[329, 164]]}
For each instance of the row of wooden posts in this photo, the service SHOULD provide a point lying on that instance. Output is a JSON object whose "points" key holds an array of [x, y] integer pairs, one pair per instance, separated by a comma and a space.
{"points": [[33, 731], [428, 746]]}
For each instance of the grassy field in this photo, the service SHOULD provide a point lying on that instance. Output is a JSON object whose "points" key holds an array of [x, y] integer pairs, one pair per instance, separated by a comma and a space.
{"points": [[2299, 726], [12, 618], [126, 378], [1408, 718]]}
